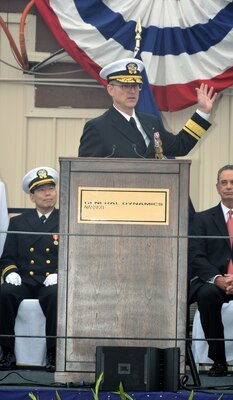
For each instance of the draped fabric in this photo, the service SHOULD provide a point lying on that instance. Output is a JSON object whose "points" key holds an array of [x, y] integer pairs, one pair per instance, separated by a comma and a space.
{"points": [[184, 42]]}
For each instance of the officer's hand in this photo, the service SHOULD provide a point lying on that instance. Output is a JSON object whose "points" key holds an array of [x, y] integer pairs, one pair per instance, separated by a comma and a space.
{"points": [[14, 279], [205, 98], [51, 280]]}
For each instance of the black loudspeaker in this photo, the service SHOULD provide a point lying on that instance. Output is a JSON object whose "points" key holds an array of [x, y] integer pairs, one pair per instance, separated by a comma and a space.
{"points": [[143, 369], [170, 369]]}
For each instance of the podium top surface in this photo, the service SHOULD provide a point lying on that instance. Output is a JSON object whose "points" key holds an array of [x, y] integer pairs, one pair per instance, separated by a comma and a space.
{"points": [[123, 164], [98, 159]]}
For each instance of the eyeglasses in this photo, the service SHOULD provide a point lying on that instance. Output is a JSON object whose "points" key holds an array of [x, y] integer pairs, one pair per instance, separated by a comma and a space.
{"points": [[128, 86]]}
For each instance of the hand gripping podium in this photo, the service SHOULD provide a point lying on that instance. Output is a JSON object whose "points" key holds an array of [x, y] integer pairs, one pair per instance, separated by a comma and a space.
{"points": [[122, 259]]}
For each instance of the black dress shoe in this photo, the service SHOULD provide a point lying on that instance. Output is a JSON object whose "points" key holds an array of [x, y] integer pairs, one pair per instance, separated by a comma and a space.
{"points": [[50, 362], [218, 370], [8, 360]]}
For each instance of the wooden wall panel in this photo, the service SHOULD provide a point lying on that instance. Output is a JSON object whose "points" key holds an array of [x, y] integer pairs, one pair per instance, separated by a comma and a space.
{"points": [[68, 136]]}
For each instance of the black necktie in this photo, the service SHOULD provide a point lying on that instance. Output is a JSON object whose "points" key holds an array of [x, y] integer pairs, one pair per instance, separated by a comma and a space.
{"points": [[138, 135], [43, 218]]}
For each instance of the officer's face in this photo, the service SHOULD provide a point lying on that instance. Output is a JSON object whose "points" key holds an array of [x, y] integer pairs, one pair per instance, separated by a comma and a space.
{"points": [[45, 198], [124, 98]]}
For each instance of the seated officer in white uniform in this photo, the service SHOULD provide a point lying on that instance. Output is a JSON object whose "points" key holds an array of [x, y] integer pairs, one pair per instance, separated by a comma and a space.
{"points": [[29, 263]]}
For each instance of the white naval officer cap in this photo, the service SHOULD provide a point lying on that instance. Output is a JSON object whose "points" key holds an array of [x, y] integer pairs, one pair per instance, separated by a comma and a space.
{"points": [[39, 176], [125, 71]]}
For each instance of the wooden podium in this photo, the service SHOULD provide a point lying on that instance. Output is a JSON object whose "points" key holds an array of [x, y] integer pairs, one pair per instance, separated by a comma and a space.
{"points": [[122, 259]]}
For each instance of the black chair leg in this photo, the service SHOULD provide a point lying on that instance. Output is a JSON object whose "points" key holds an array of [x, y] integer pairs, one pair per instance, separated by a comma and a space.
{"points": [[192, 365]]}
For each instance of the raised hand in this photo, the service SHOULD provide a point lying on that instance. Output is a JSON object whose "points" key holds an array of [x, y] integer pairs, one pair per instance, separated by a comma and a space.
{"points": [[205, 98]]}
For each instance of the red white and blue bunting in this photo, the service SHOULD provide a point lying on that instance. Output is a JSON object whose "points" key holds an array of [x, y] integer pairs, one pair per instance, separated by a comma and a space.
{"points": [[184, 42]]}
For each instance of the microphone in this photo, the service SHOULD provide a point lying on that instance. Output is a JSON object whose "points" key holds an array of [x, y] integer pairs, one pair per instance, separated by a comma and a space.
{"points": [[136, 152], [113, 151]]}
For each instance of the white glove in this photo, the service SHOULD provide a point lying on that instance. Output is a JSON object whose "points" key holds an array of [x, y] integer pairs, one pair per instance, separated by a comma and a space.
{"points": [[51, 280], [14, 279]]}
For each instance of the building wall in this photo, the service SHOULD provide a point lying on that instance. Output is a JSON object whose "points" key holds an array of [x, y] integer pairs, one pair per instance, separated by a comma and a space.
{"points": [[32, 136]]}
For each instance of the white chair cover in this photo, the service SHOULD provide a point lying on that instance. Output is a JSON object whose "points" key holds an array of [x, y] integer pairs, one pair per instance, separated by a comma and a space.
{"points": [[200, 348]]}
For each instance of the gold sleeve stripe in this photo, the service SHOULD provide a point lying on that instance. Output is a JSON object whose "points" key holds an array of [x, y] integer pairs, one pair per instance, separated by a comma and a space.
{"points": [[8, 269], [194, 129]]}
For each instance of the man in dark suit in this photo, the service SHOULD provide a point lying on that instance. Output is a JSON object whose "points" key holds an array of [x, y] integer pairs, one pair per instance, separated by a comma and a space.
{"points": [[121, 132], [29, 262], [210, 260]]}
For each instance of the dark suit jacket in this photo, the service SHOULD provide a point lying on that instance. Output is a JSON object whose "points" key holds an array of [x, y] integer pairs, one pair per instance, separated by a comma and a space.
{"points": [[208, 257], [32, 256], [102, 133]]}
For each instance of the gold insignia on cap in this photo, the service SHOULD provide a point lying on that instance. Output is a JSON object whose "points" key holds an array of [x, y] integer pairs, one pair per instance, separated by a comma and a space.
{"points": [[42, 178], [42, 173], [132, 68]]}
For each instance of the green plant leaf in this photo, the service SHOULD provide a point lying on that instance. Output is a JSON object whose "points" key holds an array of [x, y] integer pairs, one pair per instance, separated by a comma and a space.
{"points": [[97, 385], [191, 395], [32, 396], [122, 393], [57, 395]]}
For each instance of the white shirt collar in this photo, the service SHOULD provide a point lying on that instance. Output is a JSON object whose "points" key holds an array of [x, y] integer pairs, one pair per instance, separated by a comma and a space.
{"points": [[126, 116], [46, 215], [225, 211]]}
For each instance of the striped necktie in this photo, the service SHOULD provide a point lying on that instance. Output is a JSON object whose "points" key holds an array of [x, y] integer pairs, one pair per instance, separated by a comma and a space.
{"points": [[43, 219]]}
